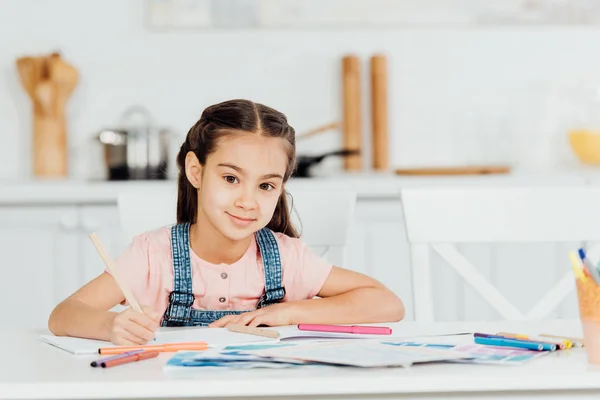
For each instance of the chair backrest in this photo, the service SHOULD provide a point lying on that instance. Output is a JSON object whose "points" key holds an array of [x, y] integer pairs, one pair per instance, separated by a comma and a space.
{"points": [[324, 218], [437, 217]]}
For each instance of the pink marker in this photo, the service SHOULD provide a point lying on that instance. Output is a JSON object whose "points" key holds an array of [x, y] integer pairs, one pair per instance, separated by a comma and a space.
{"points": [[361, 330]]}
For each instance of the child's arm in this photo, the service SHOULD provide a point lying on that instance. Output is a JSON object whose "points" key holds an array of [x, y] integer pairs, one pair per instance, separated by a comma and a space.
{"points": [[347, 297], [85, 314]]}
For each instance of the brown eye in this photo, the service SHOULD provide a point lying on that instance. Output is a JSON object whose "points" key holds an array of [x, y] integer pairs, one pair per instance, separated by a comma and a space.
{"points": [[266, 186], [230, 179]]}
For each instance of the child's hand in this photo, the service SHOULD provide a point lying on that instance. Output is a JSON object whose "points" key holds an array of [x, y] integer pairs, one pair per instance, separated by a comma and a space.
{"points": [[273, 315], [132, 328]]}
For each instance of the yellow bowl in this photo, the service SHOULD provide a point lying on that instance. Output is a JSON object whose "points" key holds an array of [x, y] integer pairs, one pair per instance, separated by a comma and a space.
{"points": [[586, 145]]}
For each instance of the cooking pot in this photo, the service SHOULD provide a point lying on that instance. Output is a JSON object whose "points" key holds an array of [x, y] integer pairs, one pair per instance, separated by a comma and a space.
{"points": [[136, 150]]}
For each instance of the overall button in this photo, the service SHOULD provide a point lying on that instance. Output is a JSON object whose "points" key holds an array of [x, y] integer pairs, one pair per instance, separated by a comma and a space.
{"points": [[224, 275], [222, 299]]}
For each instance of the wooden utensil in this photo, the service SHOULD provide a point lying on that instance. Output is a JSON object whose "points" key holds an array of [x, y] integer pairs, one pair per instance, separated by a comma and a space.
{"points": [[65, 76], [379, 123], [26, 72], [352, 120], [49, 142], [467, 170], [45, 94], [49, 81], [318, 130]]}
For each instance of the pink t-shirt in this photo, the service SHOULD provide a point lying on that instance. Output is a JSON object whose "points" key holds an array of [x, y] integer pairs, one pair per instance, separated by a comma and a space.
{"points": [[146, 266]]}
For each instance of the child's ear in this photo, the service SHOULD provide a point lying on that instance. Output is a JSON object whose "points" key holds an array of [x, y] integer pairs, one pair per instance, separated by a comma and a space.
{"points": [[193, 169]]}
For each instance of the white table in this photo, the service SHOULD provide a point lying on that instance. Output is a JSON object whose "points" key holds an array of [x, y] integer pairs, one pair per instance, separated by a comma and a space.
{"points": [[30, 369]]}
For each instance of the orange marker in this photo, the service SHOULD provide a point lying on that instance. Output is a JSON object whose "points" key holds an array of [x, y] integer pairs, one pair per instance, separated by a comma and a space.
{"points": [[168, 347], [131, 358]]}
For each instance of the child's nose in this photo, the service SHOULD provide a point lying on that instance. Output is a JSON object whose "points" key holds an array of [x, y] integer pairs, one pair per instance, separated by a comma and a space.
{"points": [[246, 199]]}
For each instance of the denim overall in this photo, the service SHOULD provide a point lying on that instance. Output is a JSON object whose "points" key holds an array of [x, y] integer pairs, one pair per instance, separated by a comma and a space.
{"points": [[179, 311]]}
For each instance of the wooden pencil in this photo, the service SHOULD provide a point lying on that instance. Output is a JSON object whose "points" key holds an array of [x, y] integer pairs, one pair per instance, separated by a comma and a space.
{"points": [[253, 331], [113, 270]]}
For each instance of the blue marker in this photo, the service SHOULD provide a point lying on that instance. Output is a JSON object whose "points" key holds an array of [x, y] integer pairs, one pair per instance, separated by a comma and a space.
{"points": [[513, 343], [546, 345]]}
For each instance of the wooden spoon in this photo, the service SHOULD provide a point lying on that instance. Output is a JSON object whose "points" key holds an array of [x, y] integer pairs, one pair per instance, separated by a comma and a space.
{"points": [[26, 69], [32, 70], [318, 130], [45, 94], [65, 77], [49, 136]]}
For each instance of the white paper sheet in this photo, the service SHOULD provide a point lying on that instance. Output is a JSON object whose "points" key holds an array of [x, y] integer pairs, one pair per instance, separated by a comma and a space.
{"points": [[400, 332], [221, 337], [361, 354], [216, 337]]}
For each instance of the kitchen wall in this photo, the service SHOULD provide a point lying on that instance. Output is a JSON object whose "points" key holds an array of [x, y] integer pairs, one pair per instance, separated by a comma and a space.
{"points": [[460, 95]]}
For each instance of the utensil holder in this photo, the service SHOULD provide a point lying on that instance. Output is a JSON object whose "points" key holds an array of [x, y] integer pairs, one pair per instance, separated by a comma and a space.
{"points": [[588, 296]]}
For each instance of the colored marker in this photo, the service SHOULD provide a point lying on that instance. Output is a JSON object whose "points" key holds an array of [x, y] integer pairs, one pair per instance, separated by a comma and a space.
{"points": [[575, 341], [121, 355], [522, 344], [130, 358], [589, 266], [168, 347], [577, 266], [356, 329], [562, 344], [545, 345]]}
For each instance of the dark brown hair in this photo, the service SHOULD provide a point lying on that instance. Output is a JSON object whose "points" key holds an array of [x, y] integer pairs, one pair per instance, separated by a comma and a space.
{"points": [[230, 118]]}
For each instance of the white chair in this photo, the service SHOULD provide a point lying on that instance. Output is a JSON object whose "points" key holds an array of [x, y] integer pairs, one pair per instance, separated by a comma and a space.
{"points": [[324, 218], [437, 218]]}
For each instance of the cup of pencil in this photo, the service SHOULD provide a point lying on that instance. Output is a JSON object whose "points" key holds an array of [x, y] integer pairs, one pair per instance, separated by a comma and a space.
{"points": [[588, 296]]}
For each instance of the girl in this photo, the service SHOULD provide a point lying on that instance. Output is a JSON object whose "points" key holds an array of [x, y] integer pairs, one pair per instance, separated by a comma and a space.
{"points": [[233, 256]]}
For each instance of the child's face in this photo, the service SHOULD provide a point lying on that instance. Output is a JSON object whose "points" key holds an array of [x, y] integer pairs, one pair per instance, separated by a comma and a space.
{"points": [[241, 184]]}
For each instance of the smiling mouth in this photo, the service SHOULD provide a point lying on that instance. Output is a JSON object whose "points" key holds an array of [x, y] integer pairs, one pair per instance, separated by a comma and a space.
{"points": [[242, 219]]}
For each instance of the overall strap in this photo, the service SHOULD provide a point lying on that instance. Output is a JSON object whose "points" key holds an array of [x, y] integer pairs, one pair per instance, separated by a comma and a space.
{"points": [[269, 251], [182, 297]]}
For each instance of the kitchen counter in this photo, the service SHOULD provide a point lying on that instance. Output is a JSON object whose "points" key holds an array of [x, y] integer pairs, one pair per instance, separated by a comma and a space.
{"points": [[367, 185]]}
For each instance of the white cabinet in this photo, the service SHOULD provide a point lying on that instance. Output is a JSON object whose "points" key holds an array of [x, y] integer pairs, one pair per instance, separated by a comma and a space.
{"points": [[47, 255], [39, 257], [378, 245]]}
